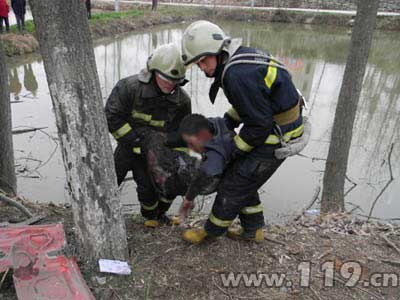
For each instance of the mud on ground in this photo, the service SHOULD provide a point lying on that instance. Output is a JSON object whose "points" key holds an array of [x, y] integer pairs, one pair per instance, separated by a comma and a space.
{"points": [[165, 267]]}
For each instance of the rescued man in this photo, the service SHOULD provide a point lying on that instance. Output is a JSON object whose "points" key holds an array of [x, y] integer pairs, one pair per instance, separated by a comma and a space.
{"points": [[265, 101], [139, 106], [178, 173]]}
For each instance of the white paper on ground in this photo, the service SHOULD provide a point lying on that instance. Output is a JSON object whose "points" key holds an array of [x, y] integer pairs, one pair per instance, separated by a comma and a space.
{"points": [[114, 266]]}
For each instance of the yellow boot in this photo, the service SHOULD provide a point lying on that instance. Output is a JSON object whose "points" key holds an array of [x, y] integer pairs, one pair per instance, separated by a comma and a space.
{"points": [[195, 235], [151, 223], [239, 233], [176, 220]]}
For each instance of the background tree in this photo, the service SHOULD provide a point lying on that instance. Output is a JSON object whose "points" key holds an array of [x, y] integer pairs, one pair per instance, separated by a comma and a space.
{"points": [[116, 5], [67, 50], [8, 181], [342, 131], [154, 4]]}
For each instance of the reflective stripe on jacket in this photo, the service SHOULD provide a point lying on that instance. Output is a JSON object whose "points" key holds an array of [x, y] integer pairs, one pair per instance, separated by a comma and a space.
{"points": [[258, 92], [136, 106]]}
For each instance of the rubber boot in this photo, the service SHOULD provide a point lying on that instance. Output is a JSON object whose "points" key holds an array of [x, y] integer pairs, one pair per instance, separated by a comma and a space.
{"points": [[163, 219], [152, 223], [195, 235], [239, 233]]}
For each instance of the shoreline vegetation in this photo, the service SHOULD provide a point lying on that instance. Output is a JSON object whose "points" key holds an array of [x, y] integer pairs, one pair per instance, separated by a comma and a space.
{"points": [[133, 17]]}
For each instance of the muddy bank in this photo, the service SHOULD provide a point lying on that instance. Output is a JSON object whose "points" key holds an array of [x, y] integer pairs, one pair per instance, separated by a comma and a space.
{"points": [[165, 267], [133, 17], [19, 44]]}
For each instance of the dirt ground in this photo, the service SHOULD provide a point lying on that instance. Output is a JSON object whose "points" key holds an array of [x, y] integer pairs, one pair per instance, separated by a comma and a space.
{"points": [[165, 267]]}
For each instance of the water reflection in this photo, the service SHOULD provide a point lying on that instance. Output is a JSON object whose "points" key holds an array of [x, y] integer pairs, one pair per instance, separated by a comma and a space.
{"points": [[15, 85], [30, 82], [316, 57]]}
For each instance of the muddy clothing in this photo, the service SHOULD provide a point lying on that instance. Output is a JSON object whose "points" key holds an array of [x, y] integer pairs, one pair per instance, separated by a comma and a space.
{"points": [[177, 173], [173, 171], [170, 170], [216, 156], [137, 109], [257, 94], [237, 195]]}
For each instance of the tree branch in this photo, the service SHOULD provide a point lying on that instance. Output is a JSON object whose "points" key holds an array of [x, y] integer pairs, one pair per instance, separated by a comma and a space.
{"points": [[387, 183]]}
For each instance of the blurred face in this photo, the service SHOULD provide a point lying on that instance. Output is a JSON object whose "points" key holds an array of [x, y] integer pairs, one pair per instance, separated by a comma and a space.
{"points": [[166, 85], [208, 64], [196, 142]]}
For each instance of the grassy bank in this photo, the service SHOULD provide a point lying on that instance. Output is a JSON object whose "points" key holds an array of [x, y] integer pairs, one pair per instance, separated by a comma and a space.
{"points": [[132, 17], [104, 23]]}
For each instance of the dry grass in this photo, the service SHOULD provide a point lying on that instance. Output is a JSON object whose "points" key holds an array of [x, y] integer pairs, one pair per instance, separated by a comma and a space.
{"points": [[165, 267]]}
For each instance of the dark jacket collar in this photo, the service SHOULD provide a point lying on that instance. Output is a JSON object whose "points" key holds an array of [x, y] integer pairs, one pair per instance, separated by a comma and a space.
{"points": [[228, 52]]}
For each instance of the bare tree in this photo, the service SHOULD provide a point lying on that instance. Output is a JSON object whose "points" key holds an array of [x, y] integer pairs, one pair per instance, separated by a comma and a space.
{"points": [[336, 165], [8, 181], [67, 50]]}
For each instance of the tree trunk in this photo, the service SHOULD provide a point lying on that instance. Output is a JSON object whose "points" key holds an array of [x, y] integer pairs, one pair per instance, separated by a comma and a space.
{"points": [[342, 131], [154, 4], [116, 6], [8, 181], [67, 50]]}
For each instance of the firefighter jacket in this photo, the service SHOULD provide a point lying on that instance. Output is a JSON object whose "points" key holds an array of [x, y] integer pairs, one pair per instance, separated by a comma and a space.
{"points": [[259, 94], [137, 107]]}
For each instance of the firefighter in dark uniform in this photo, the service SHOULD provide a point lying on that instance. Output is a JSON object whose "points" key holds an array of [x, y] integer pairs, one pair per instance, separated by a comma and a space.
{"points": [[265, 101], [140, 106]]}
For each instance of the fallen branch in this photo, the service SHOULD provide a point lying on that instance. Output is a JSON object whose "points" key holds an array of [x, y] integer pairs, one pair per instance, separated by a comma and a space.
{"points": [[21, 131], [355, 207], [315, 293], [29, 221], [221, 289], [380, 219], [390, 243], [4, 277], [313, 158], [387, 183], [352, 188], [391, 262], [17, 205], [233, 296], [275, 241], [335, 278]]}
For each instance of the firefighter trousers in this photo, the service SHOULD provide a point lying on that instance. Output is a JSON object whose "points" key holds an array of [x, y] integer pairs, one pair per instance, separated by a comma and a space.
{"points": [[237, 194], [151, 203]]}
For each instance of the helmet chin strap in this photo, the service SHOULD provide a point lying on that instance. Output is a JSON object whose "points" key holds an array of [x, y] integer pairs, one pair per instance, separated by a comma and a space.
{"points": [[164, 93]]}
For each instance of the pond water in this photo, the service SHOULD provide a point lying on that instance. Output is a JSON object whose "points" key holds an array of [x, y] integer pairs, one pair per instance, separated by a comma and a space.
{"points": [[316, 57]]}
